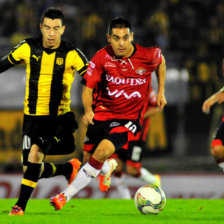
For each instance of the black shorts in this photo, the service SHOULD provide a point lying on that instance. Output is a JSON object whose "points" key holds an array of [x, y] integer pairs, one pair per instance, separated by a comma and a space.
{"points": [[54, 135], [133, 154], [119, 132], [219, 134]]}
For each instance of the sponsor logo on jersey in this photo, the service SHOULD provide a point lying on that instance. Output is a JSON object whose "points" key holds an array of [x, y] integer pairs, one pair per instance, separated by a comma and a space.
{"points": [[114, 124], [59, 61], [126, 81], [117, 93], [140, 71], [110, 64]]}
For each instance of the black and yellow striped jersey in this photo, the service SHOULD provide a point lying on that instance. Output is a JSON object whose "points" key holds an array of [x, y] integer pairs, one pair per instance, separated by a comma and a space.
{"points": [[50, 74]]}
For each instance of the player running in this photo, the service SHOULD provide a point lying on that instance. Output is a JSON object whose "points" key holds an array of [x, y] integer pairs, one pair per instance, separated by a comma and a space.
{"points": [[120, 75], [48, 121]]}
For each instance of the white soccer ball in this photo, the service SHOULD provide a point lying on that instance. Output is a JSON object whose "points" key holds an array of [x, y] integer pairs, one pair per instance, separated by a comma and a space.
{"points": [[150, 199]]}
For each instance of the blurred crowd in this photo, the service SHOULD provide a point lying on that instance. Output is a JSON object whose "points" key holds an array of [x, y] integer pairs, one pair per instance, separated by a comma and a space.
{"points": [[186, 27], [190, 32]]}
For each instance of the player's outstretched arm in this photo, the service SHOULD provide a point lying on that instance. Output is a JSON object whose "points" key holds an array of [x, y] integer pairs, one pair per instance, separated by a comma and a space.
{"points": [[218, 97], [87, 99], [161, 77]]}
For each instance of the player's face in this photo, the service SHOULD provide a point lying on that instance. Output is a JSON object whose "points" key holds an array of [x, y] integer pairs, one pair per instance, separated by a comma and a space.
{"points": [[52, 31], [121, 42]]}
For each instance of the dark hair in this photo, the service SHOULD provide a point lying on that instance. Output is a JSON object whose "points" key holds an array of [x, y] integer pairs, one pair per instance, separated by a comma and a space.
{"points": [[118, 22], [53, 13]]}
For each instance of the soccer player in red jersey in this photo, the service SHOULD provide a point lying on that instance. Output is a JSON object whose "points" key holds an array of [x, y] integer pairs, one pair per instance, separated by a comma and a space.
{"points": [[217, 145], [117, 85], [131, 158]]}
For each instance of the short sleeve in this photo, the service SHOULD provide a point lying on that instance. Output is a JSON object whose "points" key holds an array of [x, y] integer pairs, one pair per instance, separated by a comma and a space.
{"points": [[20, 53], [80, 62]]}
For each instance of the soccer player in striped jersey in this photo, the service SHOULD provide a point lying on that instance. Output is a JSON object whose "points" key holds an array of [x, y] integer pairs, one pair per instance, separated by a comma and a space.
{"points": [[117, 84], [49, 124]]}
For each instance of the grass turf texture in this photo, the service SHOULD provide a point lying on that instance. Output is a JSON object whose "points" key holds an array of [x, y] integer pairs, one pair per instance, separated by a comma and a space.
{"points": [[114, 211]]}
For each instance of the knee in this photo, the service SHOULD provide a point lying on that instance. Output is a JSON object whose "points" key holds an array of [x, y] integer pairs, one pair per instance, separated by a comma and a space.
{"points": [[217, 151], [36, 155], [104, 150], [101, 154], [133, 171]]}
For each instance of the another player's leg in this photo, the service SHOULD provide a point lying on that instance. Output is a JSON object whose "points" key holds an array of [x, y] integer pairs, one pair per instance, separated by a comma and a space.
{"points": [[29, 181], [217, 146], [69, 169], [217, 151], [150, 178], [135, 170], [120, 181], [119, 178], [86, 174], [134, 166]]}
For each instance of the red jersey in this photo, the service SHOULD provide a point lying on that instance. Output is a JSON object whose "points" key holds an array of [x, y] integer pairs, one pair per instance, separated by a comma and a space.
{"points": [[122, 84]]}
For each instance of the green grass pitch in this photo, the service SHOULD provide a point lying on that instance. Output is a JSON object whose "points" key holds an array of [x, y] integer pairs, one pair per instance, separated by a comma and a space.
{"points": [[114, 211]]}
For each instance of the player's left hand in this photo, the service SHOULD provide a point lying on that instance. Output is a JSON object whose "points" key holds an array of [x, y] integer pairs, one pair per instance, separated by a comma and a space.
{"points": [[161, 101], [88, 118]]}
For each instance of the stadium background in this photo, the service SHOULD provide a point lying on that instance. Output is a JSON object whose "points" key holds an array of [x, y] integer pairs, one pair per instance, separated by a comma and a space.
{"points": [[190, 33]]}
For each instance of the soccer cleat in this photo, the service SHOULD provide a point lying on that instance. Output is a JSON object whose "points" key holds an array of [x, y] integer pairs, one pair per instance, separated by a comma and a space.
{"points": [[158, 180], [58, 201], [16, 210], [105, 180], [75, 168]]}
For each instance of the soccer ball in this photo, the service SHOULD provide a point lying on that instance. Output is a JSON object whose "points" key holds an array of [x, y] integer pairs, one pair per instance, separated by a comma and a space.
{"points": [[150, 199]]}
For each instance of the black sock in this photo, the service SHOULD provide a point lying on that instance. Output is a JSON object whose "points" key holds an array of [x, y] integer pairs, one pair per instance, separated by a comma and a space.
{"points": [[28, 184], [51, 170]]}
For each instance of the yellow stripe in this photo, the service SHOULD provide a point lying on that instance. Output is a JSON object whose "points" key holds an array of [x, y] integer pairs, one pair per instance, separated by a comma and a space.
{"points": [[44, 83], [83, 72], [10, 60], [29, 183], [53, 169]]}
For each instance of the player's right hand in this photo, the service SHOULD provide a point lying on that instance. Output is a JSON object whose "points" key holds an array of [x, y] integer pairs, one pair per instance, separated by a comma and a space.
{"points": [[206, 106], [88, 118]]}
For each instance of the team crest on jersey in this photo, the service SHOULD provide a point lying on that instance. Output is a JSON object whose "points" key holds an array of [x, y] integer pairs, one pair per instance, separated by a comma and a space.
{"points": [[140, 71], [59, 61], [108, 56], [89, 71]]}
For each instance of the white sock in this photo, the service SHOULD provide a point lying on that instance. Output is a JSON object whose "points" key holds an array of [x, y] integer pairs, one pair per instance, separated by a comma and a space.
{"points": [[105, 168], [221, 165], [147, 176], [121, 187], [85, 175]]}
